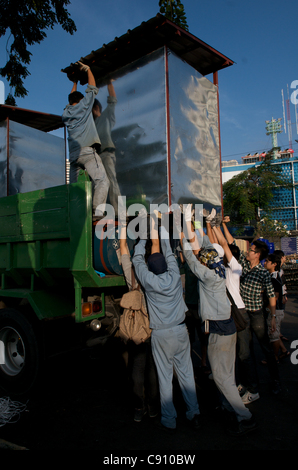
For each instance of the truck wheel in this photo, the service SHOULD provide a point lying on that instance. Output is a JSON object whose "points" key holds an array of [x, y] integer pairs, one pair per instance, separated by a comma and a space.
{"points": [[21, 352]]}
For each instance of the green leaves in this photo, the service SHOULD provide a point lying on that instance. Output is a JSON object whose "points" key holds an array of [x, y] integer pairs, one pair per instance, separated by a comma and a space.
{"points": [[269, 228], [27, 22], [174, 11]]}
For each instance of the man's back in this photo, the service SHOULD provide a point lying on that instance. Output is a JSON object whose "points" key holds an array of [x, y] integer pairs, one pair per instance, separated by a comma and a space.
{"points": [[80, 123], [164, 292]]}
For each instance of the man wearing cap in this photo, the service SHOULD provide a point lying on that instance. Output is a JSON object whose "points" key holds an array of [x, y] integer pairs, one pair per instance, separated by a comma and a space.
{"points": [[160, 277]]}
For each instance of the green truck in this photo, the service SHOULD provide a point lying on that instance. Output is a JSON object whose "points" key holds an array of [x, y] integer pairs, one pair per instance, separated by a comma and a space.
{"points": [[51, 296], [47, 275]]}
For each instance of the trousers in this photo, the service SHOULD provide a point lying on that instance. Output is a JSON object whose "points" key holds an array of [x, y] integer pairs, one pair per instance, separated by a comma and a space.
{"points": [[171, 351], [144, 376], [109, 163], [256, 324], [88, 159], [221, 355]]}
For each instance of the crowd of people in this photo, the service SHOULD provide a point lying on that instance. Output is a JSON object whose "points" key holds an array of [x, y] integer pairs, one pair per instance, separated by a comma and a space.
{"points": [[218, 267], [215, 271]]}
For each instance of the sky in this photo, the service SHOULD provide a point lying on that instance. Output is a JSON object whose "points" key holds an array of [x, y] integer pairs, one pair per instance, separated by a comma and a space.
{"points": [[260, 36]]}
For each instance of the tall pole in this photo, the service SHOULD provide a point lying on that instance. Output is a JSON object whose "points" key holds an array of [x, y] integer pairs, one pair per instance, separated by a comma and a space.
{"points": [[289, 120], [273, 127]]}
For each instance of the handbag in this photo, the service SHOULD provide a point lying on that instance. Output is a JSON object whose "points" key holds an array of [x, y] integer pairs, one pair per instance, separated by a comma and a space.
{"points": [[134, 321], [240, 322]]}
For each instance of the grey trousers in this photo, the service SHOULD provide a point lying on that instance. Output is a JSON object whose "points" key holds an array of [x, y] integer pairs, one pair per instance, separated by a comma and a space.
{"points": [[221, 355], [109, 163], [89, 160], [171, 350]]}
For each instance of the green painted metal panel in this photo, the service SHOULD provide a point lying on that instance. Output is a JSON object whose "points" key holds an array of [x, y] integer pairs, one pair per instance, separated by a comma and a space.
{"points": [[8, 206], [47, 304], [46, 239]]}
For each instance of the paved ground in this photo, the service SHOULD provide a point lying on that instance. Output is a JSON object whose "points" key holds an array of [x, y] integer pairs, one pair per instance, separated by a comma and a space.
{"points": [[82, 402]]}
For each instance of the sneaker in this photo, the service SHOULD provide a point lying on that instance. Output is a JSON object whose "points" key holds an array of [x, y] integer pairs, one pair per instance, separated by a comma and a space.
{"points": [[249, 397], [139, 414], [241, 390], [152, 411], [243, 427], [196, 421]]}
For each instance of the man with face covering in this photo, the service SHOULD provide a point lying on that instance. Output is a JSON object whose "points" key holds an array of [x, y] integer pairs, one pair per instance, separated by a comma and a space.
{"points": [[215, 311], [160, 278]]}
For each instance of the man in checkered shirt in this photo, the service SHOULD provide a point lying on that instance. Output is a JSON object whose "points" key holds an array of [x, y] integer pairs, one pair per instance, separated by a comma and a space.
{"points": [[253, 282], [254, 279]]}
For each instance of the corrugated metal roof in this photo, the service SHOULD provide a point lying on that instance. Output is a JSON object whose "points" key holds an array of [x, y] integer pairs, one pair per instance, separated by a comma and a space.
{"points": [[41, 121], [146, 38]]}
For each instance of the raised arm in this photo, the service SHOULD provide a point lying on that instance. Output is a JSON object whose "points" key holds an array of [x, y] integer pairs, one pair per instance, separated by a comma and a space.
{"points": [[91, 79], [223, 242], [209, 231], [192, 236], [111, 89], [86, 68], [228, 236], [155, 247], [74, 87]]}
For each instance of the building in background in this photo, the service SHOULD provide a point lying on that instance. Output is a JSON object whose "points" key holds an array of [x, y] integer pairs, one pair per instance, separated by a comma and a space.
{"points": [[284, 204]]}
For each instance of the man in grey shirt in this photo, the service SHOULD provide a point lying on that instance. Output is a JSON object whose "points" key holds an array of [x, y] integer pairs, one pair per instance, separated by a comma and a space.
{"points": [[161, 280], [215, 312], [83, 140]]}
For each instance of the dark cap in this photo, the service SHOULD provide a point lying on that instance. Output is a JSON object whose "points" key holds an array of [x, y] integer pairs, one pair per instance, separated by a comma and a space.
{"points": [[157, 263]]}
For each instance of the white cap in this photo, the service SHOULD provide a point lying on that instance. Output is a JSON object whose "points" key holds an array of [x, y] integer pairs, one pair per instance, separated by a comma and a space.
{"points": [[219, 249]]}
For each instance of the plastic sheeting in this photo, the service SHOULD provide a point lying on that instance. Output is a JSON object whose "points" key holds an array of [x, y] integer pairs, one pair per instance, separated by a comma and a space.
{"points": [[30, 159], [152, 157]]}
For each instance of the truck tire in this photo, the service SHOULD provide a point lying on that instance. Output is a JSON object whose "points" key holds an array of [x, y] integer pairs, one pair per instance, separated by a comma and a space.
{"points": [[21, 352]]}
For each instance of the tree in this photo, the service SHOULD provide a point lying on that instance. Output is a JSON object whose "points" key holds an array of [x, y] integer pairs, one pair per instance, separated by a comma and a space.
{"points": [[27, 22], [174, 11], [268, 228], [253, 189]]}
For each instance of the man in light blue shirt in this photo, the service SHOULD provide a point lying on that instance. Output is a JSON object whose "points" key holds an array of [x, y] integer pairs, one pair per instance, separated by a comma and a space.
{"points": [[83, 140], [161, 280]]}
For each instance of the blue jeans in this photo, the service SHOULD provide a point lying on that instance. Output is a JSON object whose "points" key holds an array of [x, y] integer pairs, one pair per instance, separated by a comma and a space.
{"points": [[171, 351], [89, 160]]}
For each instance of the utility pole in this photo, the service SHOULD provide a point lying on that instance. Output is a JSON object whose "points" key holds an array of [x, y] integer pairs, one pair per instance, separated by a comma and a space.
{"points": [[273, 128]]}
